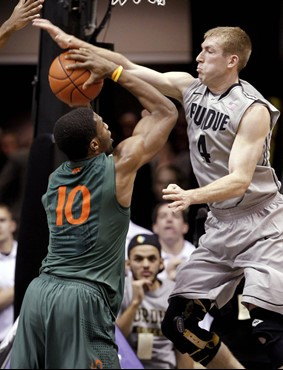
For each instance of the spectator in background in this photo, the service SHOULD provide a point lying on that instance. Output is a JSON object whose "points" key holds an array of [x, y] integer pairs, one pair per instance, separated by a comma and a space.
{"points": [[127, 122], [180, 146], [167, 174], [23, 13], [171, 229], [9, 142], [144, 305], [16, 147], [135, 229], [8, 252], [164, 175]]}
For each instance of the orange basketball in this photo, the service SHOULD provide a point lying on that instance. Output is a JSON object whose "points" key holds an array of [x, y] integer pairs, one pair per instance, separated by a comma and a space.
{"points": [[67, 84]]}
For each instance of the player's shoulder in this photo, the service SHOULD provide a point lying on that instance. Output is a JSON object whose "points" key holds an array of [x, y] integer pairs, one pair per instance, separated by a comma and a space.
{"points": [[249, 91], [195, 86], [179, 81]]}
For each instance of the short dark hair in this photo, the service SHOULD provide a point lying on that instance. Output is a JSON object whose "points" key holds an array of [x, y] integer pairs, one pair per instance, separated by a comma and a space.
{"points": [[74, 131], [160, 204]]}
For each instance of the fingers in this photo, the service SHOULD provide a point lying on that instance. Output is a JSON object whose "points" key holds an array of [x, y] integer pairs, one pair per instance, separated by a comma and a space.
{"points": [[76, 65], [170, 192], [145, 283], [171, 188], [46, 25], [31, 10], [89, 81], [76, 55], [43, 23], [174, 194], [177, 206]]}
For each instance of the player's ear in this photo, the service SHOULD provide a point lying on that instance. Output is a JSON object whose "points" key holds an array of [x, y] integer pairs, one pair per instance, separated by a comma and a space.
{"points": [[94, 145], [233, 60]]}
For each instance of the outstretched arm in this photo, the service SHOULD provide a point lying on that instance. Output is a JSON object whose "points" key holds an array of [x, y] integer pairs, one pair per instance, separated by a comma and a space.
{"points": [[170, 84], [23, 13]]}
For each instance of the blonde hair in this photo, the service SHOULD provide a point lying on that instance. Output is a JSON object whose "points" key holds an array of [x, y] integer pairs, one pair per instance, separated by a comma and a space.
{"points": [[234, 40]]}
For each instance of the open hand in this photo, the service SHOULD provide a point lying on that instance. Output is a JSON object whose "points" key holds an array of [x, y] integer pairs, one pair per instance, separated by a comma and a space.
{"points": [[24, 12], [63, 39]]}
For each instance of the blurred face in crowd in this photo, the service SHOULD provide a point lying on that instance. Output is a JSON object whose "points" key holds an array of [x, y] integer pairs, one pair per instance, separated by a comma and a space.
{"points": [[7, 226], [8, 143], [163, 177], [169, 226]]}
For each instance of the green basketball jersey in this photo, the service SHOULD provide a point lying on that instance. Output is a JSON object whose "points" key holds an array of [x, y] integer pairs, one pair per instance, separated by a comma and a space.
{"points": [[87, 226]]}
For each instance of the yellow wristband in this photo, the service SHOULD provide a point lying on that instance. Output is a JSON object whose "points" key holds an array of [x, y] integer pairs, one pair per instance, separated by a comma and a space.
{"points": [[117, 73]]}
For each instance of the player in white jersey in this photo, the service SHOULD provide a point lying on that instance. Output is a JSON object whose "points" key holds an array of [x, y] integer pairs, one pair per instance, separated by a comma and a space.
{"points": [[229, 130]]}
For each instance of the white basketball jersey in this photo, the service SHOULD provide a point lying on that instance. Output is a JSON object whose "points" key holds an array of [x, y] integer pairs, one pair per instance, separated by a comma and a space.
{"points": [[213, 123]]}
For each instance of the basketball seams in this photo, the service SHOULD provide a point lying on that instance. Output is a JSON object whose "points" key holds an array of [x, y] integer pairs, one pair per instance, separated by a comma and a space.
{"points": [[76, 87], [68, 87]]}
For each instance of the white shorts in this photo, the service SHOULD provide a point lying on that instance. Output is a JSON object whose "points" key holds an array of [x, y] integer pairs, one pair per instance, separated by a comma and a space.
{"points": [[238, 243]]}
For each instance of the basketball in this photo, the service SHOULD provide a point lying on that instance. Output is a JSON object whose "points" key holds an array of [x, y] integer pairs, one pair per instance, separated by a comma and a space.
{"points": [[66, 84]]}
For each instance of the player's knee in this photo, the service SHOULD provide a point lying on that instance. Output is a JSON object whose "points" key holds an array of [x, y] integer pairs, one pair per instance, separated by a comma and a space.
{"points": [[180, 325], [267, 327], [176, 307]]}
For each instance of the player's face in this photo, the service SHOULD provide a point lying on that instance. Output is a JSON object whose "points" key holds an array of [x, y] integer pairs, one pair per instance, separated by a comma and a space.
{"points": [[145, 262], [103, 135], [212, 62], [170, 226]]}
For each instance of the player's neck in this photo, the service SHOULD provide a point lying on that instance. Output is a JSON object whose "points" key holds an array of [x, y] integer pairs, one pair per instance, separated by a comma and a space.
{"points": [[220, 87]]}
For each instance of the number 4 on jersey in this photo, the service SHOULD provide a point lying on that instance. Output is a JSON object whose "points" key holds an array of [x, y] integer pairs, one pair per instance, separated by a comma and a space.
{"points": [[202, 148]]}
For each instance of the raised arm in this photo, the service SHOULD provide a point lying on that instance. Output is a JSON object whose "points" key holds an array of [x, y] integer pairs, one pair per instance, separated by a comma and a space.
{"points": [[151, 132], [153, 129], [171, 84], [23, 13]]}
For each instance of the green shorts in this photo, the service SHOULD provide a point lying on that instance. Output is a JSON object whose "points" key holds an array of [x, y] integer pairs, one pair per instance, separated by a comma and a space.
{"points": [[64, 324]]}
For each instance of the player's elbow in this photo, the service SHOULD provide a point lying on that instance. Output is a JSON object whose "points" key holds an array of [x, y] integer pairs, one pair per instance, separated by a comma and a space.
{"points": [[169, 111], [242, 185]]}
